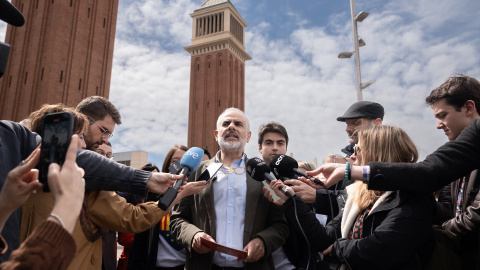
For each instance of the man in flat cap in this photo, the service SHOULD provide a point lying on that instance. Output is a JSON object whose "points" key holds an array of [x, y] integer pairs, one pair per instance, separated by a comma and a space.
{"points": [[360, 115]]}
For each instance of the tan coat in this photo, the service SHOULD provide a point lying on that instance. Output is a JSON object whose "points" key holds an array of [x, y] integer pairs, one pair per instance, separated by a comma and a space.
{"points": [[105, 210]]}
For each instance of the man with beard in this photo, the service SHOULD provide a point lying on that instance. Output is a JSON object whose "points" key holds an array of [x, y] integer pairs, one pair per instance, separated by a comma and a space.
{"points": [[231, 211], [360, 115], [103, 116]]}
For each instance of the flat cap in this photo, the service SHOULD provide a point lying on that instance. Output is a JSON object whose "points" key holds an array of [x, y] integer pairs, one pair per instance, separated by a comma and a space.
{"points": [[363, 109]]}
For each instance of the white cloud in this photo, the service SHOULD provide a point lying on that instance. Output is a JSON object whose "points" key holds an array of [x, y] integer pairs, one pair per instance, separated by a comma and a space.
{"points": [[168, 21], [296, 80]]}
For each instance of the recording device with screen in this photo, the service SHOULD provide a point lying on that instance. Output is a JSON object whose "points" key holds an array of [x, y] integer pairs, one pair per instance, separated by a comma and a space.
{"points": [[210, 172], [56, 136]]}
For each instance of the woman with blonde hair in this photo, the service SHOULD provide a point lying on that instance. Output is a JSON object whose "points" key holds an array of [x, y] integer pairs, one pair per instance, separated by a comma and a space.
{"points": [[375, 230]]}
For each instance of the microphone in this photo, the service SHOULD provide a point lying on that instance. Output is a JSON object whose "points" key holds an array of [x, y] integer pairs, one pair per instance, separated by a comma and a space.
{"points": [[258, 170], [10, 14], [188, 164], [285, 167]]}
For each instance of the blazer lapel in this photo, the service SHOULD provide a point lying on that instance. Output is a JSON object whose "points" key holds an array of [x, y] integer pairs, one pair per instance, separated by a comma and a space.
{"points": [[251, 206], [208, 201]]}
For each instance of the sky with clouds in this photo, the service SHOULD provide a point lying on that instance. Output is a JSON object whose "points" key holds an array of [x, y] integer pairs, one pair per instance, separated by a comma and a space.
{"points": [[295, 77]]}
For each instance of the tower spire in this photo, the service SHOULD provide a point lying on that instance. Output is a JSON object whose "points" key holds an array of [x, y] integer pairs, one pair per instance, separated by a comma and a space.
{"points": [[217, 76]]}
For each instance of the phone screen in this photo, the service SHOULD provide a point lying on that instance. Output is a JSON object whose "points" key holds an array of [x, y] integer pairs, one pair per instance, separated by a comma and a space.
{"points": [[56, 136], [210, 172]]}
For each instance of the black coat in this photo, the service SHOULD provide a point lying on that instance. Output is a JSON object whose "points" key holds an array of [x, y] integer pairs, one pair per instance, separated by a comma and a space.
{"points": [[143, 254], [394, 232]]}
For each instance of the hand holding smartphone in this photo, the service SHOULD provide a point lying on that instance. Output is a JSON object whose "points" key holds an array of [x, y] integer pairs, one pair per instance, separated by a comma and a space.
{"points": [[56, 135]]}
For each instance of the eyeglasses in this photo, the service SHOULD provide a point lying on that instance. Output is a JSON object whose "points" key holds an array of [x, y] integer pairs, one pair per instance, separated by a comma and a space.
{"points": [[357, 149], [107, 155], [236, 170], [105, 132]]}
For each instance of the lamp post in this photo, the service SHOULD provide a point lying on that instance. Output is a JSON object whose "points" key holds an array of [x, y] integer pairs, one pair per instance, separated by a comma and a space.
{"points": [[357, 42]]}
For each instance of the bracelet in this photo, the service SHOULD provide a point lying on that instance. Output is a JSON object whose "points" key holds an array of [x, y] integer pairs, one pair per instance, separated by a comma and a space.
{"points": [[366, 174], [346, 171], [349, 171], [55, 216]]}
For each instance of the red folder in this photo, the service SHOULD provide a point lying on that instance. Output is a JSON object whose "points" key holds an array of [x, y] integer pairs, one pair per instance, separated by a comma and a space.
{"points": [[240, 254]]}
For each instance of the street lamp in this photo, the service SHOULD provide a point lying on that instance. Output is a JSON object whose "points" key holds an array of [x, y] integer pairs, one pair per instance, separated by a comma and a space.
{"points": [[357, 42]]}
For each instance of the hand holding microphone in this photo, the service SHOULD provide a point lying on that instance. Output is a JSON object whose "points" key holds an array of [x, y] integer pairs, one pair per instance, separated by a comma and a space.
{"points": [[258, 170], [188, 164]]}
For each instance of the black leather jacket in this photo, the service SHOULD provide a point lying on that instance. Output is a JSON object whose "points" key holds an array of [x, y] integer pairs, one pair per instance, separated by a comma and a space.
{"points": [[394, 232]]}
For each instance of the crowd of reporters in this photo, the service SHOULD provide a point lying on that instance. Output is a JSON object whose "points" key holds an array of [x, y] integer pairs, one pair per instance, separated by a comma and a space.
{"points": [[381, 216]]}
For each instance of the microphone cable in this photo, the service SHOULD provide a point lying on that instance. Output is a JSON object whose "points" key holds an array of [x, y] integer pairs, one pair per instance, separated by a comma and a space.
{"points": [[329, 193], [301, 230]]}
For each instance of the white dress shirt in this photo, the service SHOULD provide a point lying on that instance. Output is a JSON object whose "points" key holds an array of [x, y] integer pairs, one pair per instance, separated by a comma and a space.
{"points": [[230, 192]]}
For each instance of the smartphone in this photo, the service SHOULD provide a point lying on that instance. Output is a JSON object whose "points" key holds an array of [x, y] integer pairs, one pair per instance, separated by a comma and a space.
{"points": [[56, 136], [210, 172]]}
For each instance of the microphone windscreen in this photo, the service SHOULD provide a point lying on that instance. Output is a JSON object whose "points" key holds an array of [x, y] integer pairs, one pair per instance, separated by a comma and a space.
{"points": [[282, 166], [257, 169], [10, 14], [192, 158]]}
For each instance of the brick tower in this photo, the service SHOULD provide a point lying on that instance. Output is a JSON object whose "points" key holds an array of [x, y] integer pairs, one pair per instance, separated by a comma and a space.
{"points": [[63, 53], [217, 76]]}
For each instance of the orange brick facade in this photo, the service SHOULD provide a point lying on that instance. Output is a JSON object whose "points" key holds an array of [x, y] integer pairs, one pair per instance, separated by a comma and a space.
{"points": [[217, 73], [63, 53], [217, 82]]}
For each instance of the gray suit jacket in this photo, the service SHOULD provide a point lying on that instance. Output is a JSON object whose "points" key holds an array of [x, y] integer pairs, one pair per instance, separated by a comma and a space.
{"points": [[196, 213]]}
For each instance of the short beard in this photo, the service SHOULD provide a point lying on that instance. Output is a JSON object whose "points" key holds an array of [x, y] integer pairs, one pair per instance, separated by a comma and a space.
{"points": [[231, 146], [90, 144]]}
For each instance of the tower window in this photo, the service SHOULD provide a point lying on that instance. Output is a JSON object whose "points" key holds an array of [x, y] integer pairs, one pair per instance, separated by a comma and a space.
{"points": [[71, 2], [10, 81], [79, 84], [104, 21], [61, 76], [26, 75], [41, 76], [88, 13]]}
